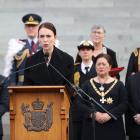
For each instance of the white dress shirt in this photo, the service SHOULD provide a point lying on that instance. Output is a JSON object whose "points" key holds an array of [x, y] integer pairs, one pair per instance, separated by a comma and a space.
{"points": [[83, 67]]}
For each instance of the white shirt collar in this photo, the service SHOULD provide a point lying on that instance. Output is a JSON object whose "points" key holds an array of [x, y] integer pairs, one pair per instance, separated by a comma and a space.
{"points": [[83, 67], [34, 39]]}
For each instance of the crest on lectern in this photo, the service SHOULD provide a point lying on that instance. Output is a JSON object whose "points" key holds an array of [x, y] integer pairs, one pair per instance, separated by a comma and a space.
{"points": [[38, 118]]}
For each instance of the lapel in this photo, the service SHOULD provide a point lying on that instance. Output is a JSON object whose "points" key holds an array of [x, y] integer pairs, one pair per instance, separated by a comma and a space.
{"points": [[27, 45], [80, 70], [48, 74], [92, 71], [136, 79], [56, 60], [40, 59]]}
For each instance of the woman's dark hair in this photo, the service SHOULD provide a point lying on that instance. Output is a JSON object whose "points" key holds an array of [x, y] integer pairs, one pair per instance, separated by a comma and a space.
{"points": [[106, 56], [49, 26]]}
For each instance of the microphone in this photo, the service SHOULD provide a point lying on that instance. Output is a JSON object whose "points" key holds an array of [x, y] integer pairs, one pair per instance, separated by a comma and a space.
{"points": [[77, 89], [46, 55]]}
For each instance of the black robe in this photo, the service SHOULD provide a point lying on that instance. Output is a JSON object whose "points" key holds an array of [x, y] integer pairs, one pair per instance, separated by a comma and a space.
{"points": [[113, 129], [46, 75], [133, 87], [4, 100], [133, 63]]}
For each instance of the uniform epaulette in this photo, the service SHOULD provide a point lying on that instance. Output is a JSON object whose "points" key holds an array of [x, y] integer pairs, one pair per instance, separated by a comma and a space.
{"points": [[76, 78], [135, 52], [76, 64], [20, 58]]}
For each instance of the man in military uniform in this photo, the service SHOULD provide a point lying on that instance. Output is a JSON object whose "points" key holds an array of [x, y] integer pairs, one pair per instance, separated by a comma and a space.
{"points": [[86, 69], [82, 71], [134, 63], [22, 49]]}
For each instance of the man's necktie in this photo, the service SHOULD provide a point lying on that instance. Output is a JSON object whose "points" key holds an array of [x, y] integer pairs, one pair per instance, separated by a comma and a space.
{"points": [[87, 69], [34, 47]]}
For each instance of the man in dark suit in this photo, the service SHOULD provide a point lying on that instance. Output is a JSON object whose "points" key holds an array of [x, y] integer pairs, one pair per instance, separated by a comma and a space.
{"points": [[23, 48], [4, 101], [133, 114]]}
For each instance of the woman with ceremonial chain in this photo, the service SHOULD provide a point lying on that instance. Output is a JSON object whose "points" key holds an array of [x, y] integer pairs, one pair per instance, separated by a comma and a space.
{"points": [[111, 94]]}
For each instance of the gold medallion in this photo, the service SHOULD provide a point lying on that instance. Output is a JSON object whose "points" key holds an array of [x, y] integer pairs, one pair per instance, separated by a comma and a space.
{"points": [[103, 100]]}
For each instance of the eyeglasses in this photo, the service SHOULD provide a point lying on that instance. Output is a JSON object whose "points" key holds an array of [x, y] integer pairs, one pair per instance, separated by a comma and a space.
{"points": [[97, 32]]}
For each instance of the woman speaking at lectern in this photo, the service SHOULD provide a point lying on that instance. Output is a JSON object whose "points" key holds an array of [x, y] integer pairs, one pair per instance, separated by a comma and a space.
{"points": [[45, 74]]}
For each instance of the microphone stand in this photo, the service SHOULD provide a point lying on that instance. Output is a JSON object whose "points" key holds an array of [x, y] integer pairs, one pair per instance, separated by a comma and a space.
{"points": [[78, 89]]}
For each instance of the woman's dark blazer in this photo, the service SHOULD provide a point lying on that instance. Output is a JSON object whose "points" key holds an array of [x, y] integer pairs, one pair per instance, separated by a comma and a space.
{"points": [[43, 74]]}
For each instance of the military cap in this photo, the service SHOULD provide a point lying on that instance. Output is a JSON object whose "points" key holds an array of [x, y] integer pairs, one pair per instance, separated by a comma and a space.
{"points": [[31, 19], [85, 44]]}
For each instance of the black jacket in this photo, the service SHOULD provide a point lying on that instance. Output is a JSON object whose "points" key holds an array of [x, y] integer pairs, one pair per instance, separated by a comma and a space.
{"points": [[46, 75], [81, 78], [133, 88], [133, 63], [4, 100]]}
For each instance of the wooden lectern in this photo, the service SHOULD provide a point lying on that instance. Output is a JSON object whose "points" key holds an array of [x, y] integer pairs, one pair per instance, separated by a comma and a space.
{"points": [[39, 113]]}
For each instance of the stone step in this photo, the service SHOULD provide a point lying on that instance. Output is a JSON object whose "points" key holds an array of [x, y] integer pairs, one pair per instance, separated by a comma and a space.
{"points": [[128, 3], [56, 3], [72, 12]]}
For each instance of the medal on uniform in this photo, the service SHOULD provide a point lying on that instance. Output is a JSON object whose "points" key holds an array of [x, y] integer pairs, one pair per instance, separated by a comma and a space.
{"points": [[102, 100]]}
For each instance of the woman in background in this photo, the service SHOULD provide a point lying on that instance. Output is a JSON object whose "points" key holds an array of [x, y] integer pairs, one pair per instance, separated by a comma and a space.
{"points": [[111, 94]]}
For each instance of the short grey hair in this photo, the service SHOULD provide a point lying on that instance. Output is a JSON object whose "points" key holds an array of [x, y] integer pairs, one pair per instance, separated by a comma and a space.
{"points": [[98, 27]]}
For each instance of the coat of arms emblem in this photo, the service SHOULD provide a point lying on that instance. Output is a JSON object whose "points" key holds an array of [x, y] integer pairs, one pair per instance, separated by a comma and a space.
{"points": [[37, 119]]}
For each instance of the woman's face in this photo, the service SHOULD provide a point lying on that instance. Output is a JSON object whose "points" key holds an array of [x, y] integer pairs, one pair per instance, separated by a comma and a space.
{"points": [[97, 36], [86, 54], [102, 67], [46, 39]]}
